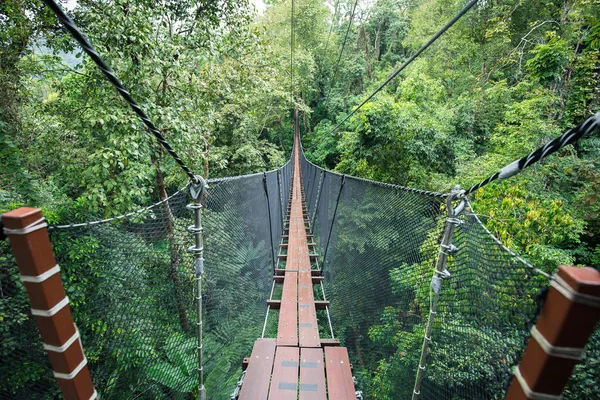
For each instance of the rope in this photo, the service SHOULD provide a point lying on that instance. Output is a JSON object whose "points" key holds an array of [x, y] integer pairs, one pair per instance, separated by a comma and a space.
{"points": [[337, 64], [503, 246], [110, 75], [102, 221], [337, 202], [292, 54], [406, 63], [570, 136], [337, 4], [270, 223]]}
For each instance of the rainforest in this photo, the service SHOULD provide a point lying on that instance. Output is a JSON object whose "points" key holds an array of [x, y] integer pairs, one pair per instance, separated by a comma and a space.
{"points": [[223, 81]]}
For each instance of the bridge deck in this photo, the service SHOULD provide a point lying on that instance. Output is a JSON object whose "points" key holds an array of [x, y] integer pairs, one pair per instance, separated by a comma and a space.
{"points": [[294, 364]]}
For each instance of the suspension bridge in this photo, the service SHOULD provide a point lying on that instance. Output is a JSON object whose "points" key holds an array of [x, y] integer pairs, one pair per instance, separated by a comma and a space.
{"points": [[300, 283]]}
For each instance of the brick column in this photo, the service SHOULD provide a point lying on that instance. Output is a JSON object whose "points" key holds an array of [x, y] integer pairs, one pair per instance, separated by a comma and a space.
{"points": [[557, 342], [26, 230]]}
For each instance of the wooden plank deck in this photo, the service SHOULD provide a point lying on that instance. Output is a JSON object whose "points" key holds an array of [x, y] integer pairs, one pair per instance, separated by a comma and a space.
{"points": [[258, 373], [287, 330], [339, 374], [294, 364], [284, 385], [312, 375]]}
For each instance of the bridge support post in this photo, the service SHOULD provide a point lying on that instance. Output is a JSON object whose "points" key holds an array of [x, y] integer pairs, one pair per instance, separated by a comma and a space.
{"points": [[557, 341], [440, 273], [198, 193], [39, 272]]}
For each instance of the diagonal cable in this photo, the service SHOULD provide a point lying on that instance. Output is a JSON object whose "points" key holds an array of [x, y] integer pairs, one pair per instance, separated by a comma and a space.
{"points": [[337, 64], [570, 136], [403, 66], [110, 75]]}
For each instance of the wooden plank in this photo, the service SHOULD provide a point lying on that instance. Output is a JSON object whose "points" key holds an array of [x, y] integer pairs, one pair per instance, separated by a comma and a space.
{"points": [[284, 385], [307, 315], [330, 342], [340, 385], [287, 330], [312, 375], [321, 304], [258, 373]]}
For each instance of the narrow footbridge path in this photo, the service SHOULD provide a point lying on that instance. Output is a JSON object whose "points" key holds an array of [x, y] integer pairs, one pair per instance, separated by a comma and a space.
{"points": [[298, 364]]}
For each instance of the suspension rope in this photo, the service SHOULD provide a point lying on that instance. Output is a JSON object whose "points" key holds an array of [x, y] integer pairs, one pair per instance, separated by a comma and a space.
{"points": [[336, 7], [337, 64], [337, 202], [110, 75], [570, 136], [292, 54], [403, 66]]}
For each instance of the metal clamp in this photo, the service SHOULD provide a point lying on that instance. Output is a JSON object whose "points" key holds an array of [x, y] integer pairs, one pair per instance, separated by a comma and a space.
{"points": [[571, 353], [530, 394], [72, 374], [48, 313], [65, 346], [34, 226], [566, 290], [41, 277]]}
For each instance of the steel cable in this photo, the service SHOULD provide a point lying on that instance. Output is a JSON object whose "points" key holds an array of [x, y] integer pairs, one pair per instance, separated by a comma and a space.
{"points": [[110, 75], [403, 66]]}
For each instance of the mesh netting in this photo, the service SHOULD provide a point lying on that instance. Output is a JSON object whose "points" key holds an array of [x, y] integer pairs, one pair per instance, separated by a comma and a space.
{"points": [[383, 243], [130, 282], [131, 287]]}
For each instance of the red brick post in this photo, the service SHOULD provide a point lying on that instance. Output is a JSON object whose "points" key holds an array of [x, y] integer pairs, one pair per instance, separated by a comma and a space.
{"points": [[38, 270], [557, 342]]}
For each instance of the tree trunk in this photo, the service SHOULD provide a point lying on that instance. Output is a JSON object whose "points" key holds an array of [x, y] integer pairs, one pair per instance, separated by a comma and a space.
{"points": [[173, 248], [378, 40], [359, 355], [206, 154]]}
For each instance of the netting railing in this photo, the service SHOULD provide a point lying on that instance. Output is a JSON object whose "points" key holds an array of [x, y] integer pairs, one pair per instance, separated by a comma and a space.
{"points": [[380, 243], [130, 282]]}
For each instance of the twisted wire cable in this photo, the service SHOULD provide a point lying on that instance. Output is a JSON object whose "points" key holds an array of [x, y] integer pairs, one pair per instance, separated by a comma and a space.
{"points": [[570, 136], [110, 75]]}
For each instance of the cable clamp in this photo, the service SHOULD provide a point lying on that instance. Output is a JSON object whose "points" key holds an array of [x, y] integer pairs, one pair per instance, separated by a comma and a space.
{"points": [[198, 190], [571, 353], [455, 221], [72, 374], [450, 249], [65, 346], [445, 274], [194, 229], [48, 313], [195, 250], [566, 290], [194, 206], [530, 394], [34, 226], [41, 277]]}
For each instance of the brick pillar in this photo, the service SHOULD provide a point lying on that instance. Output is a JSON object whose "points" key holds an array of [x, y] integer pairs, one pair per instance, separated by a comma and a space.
{"points": [[557, 342], [26, 230]]}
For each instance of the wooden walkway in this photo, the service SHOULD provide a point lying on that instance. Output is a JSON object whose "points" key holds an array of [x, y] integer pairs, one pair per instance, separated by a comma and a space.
{"points": [[298, 364]]}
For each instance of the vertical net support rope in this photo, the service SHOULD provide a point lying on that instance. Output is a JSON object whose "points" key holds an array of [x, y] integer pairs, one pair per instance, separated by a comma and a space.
{"points": [[198, 194], [271, 241], [381, 257], [440, 273]]}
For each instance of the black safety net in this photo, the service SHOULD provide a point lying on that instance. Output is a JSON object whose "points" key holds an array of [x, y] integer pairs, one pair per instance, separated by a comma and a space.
{"points": [[131, 282], [131, 285], [379, 244]]}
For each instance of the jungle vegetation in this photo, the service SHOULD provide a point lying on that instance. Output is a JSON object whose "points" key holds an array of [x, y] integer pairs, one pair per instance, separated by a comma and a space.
{"points": [[215, 77]]}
